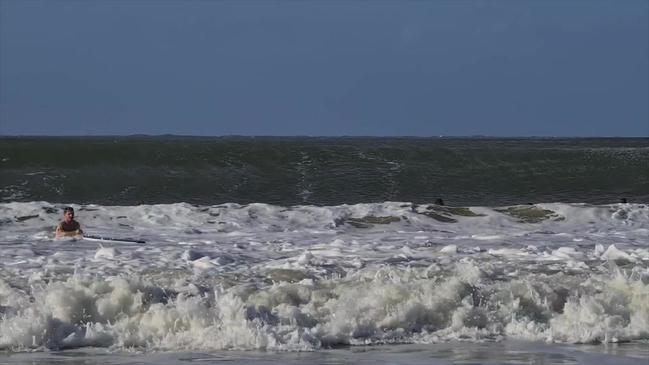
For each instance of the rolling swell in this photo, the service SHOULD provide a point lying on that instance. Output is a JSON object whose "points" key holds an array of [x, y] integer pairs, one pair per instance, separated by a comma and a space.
{"points": [[322, 171]]}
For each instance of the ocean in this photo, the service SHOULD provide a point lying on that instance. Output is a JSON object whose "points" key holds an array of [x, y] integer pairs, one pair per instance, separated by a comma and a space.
{"points": [[325, 250]]}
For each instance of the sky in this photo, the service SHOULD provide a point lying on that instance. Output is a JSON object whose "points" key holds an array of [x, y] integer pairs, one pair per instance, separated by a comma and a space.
{"points": [[325, 68]]}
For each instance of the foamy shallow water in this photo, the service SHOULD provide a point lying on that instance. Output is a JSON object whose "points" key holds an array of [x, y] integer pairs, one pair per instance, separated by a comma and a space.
{"points": [[510, 352], [307, 278]]}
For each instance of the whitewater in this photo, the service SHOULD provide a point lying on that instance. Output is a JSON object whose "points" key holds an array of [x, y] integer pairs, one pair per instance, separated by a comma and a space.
{"points": [[313, 278]]}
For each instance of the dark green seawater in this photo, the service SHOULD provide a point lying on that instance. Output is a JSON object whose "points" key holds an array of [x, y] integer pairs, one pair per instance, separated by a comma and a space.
{"points": [[322, 171]]}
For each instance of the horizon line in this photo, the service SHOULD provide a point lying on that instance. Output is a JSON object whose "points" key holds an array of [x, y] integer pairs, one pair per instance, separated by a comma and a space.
{"points": [[171, 135]]}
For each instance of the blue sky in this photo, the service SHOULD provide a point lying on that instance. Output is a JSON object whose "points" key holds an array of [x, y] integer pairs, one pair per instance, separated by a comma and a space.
{"points": [[380, 68]]}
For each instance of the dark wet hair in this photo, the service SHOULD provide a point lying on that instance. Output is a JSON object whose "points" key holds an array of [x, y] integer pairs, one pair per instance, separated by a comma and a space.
{"points": [[68, 209]]}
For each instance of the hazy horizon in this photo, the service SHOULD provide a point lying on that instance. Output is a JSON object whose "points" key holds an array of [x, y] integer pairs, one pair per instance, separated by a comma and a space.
{"points": [[172, 135]]}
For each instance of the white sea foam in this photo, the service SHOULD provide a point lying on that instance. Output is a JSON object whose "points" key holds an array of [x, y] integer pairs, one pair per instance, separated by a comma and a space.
{"points": [[306, 277]]}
